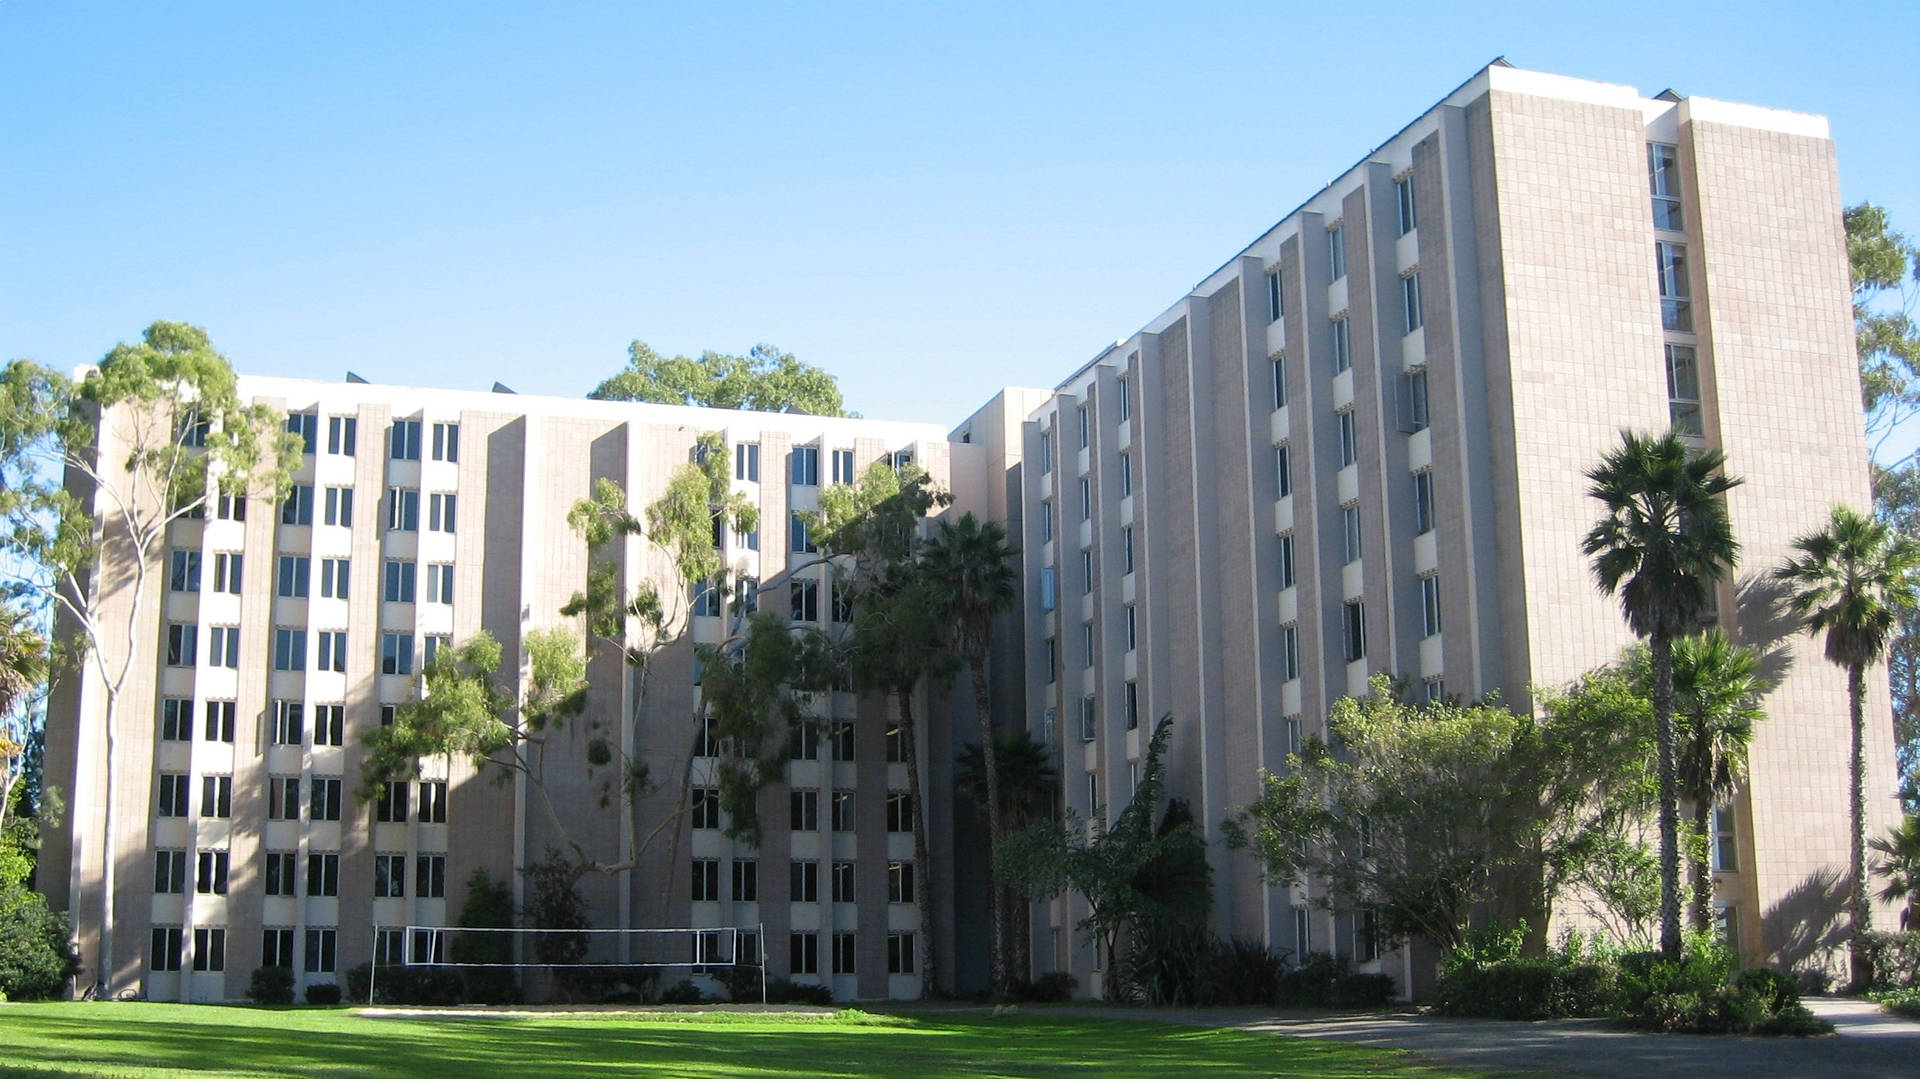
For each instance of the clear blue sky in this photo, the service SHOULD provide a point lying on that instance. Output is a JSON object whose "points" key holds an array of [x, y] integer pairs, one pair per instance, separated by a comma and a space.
{"points": [[929, 201]]}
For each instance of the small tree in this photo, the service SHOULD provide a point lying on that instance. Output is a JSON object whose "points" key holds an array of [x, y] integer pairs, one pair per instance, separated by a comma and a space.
{"points": [[147, 438], [1899, 866], [489, 905], [23, 671], [764, 380]]}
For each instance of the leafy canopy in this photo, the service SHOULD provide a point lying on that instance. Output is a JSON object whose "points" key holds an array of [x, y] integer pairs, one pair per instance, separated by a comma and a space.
{"points": [[764, 380]]}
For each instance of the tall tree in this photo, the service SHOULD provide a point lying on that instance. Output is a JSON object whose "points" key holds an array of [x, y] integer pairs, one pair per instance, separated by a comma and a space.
{"points": [[23, 670], [1899, 866], [1716, 699], [1664, 542], [764, 380], [1851, 580], [969, 565], [1029, 783], [1896, 502], [145, 439], [1884, 267]]}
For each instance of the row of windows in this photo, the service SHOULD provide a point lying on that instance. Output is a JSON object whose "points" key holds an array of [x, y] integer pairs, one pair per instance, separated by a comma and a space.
{"points": [[803, 808], [803, 955], [277, 874], [806, 741], [165, 952], [403, 436], [803, 881], [803, 464], [290, 645], [323, 801]]}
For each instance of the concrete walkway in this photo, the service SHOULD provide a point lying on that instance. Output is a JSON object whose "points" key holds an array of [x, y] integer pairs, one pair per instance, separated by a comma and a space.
{"points": [[1868, 1043]]}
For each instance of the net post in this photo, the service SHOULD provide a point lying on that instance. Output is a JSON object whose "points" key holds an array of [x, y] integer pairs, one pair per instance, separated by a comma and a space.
{"points": [[373, 968]]}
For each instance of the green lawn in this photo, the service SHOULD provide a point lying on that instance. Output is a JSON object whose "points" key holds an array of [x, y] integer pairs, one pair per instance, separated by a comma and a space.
{"points": [[208, 1042]]}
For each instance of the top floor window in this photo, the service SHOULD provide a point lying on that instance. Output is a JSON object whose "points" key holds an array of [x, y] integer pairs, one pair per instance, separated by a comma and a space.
{"points": [[1086, 432], [307, 426], [1403, 196], [1663, 181], [403, 440], [805, 466], [1336, 252], [746, 462], [1123, 399], [446, 442], [843, 466], [1046, 452], [1276, 303], [342, 433]]}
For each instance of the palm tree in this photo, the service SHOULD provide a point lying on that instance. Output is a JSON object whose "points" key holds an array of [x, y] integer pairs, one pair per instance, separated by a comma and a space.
{"points": [[1900, 867], [1663, 544], [1716, 693], [1853, 580], [1028, 780], [23, 667], [969, 566]]}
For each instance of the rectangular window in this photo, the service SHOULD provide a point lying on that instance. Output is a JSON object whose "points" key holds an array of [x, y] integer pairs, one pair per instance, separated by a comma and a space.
{"points": [[803, 811], [324, 802], [746, 880], [1350, 530], [746, 462], [403, 440], [1355, 635], [1286, 561], [216, 797], [1663, 181], [289, 723], [804, 600], [163, 953], [297, 508], [900, 953], [293, 576], [329, 723], [706, 880], [803, 882], [1342, 345], [1336, 253], [1086, 572], [1410, 311], [1086, 499], [169, 872], [1046, 452], [1422, 503], [289, 649], [446, 442], [184, 572], [433, 801], [804, 466], [1683, 391], [323, 874], [176, 720], [706, 599], [1133, 629], [183, 644], [219, 721], [1282, 471], [843, 740], [389, 876], [1294, 736], [1429, 606], [320, 957], [1123, 399], [403, 509], [1126, 474], [1413, 401], [339, 507], [307, 426], [844, 953], [440, 583], [283, 798], [1046, 521], [899, 812], [843, 882], [802, 536], [1053, 661], [1349, 438], [399, 582], [1276, 297], [1133, 706], [226, 572], [899, 882], [173, 795], [391, 806], [1289, 653], [706, 807], [1726, 853], [843, 466], [1436, 690], [1086, 429], [1086, 644], [1089, 718], [1279, 364], [803, 953], [1676, 307], [1403, 197], [842, 811], [1126, 550], [440, 507], [803, 742], [396, 653], [1366, 935], [231, 507], [276, 947], [224, 646], [342, 433]]}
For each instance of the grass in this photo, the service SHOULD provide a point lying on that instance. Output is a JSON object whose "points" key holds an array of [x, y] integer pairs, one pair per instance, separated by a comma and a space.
{"points": [[142, 1040]]}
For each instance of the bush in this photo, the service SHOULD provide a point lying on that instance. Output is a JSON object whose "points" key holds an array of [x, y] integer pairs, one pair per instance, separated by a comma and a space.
{"points": [[782, 991], [1813, 981], [684, 992], [1904, 1001], [271, 985], [36, 958], [1310, 985], [1895, 958], [1046, 989], [323, 994], [742, 983], [1362, 990], [1243, 971], [406, 985]]}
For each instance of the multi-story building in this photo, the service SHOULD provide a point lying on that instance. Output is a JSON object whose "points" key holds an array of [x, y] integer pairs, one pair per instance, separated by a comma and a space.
{"points": [[283, 633], [1358, 448]]}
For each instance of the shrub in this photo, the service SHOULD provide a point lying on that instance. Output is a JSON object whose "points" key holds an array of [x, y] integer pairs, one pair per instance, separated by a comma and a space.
{"points": [[782, 991], [1904, 1001], [1500, 989], [328, 993], [1895, 959], [406, 985], [684, 992], [742, 983], [1242, 971], [1046, 989], [1814, 981], [271, 985], [1362, 990], [1310, 985], [36, 958]]}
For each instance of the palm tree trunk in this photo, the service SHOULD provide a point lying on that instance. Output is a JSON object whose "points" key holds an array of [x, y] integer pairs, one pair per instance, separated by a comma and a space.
{"points": [[990, 759], [1661, 647], [1862, 914], [928, 964], [1701, 865]]}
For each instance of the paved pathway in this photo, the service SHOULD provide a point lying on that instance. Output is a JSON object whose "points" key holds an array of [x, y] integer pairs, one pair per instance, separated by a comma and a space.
{"points": [[1868, 1043]]}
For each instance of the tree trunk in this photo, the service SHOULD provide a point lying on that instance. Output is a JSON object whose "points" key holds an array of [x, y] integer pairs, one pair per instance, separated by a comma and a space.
{"points": [[990, 760], [1700, 864], [1862, 914], [1661, 647], [929, 968]]}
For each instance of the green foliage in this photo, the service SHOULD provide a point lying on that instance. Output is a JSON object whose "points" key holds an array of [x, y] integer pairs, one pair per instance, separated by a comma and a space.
{"points": [[35, 956], [764, 380], [489, 905], [398, 984], [1051, 988], [1898, 864], [752, 693], [1028, 780], [271, 985], [683, 992], [460, 713], [1885, 264], [1903, 1001], [324, 995], [1895, 958]]}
